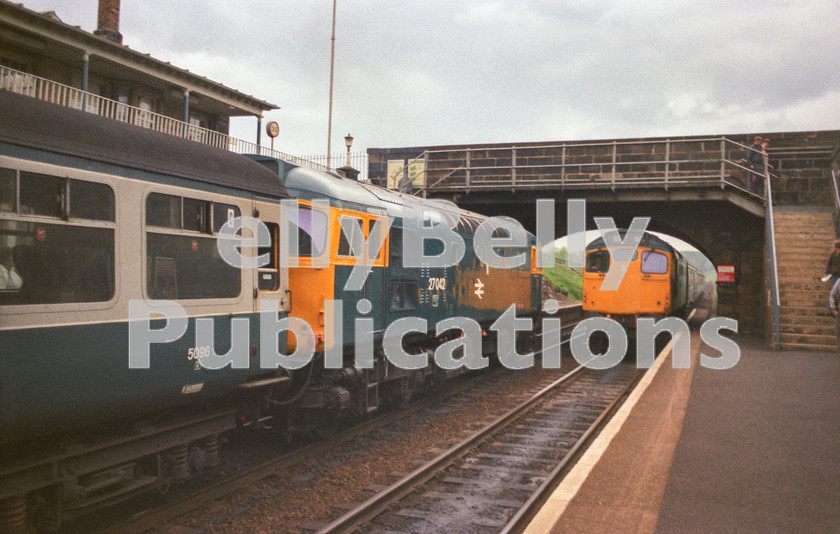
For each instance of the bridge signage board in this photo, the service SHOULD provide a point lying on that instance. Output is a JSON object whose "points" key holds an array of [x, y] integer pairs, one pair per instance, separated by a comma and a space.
{"points": [[725, 273]]}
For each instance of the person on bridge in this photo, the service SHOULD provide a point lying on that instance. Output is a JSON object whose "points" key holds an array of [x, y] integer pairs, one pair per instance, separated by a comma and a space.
{"points": [[765, 144], [832, 270], [755, 161]]}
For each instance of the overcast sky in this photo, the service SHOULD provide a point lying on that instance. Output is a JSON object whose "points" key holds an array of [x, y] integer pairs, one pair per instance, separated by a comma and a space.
{"points": [[449, 72]]}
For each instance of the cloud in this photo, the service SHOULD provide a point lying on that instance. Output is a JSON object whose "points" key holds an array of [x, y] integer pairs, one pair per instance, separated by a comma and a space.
{"points": [[470, 71]]}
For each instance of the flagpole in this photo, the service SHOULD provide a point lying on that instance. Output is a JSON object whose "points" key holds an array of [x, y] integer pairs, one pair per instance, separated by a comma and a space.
{"points": [[332, 67]]}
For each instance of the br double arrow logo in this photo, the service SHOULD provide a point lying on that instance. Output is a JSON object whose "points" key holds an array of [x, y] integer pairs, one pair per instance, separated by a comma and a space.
{"points": [[479, 288]]}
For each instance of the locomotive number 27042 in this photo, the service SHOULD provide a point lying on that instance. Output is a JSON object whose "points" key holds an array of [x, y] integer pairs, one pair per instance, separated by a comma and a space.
{"points": [[436, 284]]}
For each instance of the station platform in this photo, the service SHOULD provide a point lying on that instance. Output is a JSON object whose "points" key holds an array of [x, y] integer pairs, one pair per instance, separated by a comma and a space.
{"points": [[754, 448]]}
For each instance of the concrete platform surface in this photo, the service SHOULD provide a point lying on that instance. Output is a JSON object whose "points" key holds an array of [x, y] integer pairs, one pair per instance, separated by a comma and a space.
{"points": [[755, 448]]}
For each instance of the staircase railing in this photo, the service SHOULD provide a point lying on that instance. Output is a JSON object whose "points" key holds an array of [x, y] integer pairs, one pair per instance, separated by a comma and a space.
{"points": [[410, 178], [770, 240], [834, 177]]}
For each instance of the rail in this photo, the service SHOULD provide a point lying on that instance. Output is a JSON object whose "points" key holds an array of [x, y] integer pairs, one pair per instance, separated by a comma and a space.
{"points": [[667, 163], [36, 87], [398, 490], [770, 240]]}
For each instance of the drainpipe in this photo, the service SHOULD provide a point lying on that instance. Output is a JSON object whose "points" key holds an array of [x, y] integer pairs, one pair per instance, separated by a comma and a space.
{"points": [[186, 116], [187, 106], [259, 134], [85, 70]]}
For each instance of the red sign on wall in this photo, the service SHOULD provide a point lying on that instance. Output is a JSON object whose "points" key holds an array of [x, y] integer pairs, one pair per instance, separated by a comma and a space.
{"points": [[726, 273]]}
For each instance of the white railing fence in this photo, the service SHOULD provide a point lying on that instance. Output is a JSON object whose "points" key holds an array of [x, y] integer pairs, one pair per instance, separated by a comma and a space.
{"points": [[64, 95], [358, 160]]}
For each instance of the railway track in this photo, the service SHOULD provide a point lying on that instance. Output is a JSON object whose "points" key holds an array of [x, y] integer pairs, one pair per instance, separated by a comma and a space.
{"points": [[152, 517], [493, 480], [347, 444]]}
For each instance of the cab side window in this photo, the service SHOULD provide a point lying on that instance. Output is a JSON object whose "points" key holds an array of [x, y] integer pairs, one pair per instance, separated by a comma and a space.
{"points": [[344, 248], [654, 262], [598, 261], [311, 229], [403, 289]]}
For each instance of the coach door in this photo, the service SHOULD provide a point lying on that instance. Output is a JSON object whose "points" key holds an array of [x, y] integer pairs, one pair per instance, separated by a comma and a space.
{"points": [[373, 288], [270, 281]]}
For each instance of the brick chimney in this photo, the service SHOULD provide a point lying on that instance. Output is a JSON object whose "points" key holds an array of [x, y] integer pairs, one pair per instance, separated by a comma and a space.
{"points": [[109, 20]]}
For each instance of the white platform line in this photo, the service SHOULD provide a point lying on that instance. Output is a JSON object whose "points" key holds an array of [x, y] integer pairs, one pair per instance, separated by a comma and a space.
{"points": [[572, 482]]}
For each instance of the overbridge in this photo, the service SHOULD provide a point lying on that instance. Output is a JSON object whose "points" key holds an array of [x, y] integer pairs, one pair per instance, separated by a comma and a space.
{"points": [[694, 188]]}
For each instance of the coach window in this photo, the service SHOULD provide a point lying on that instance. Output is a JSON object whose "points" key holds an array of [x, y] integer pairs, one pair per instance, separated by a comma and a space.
{"points": [[60, 250], [223, 213], [163, 210], [654, 263], [90, 200], [8, 190], [196, 215], [41, 194], [182, 258]]}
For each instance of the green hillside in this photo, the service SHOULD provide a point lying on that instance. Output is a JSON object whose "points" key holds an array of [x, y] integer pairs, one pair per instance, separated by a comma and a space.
{"points": [[567, 281]]}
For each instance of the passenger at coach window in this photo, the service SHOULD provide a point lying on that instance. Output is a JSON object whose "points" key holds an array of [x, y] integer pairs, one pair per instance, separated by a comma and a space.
{"points": [[832, 270], [9, 277]]}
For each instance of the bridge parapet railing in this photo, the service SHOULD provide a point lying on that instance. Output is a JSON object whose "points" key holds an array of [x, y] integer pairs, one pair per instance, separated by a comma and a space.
{"points": [[666, 163]]}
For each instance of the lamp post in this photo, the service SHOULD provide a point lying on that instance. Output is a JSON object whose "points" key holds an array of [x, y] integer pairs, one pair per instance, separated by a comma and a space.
{"points": [[347, 170], [348, 142]]}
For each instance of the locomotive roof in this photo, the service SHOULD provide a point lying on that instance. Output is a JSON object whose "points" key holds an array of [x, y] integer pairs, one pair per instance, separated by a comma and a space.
{"points": [[32, 123], [310, 184], [648, 240]]}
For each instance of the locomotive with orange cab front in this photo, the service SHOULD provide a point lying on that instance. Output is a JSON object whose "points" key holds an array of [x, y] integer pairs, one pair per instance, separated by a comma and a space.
{"points": [[658, 282]]}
